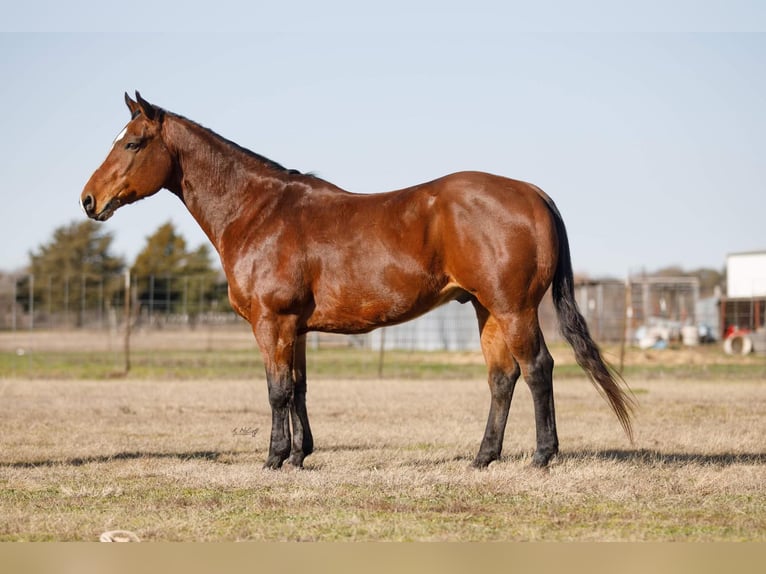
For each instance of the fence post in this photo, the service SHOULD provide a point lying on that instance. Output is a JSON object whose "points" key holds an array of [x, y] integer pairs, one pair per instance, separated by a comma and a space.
{"points": [[50, 298], [83, 285], [186, 297], [627, 313], [66, 301], [127, 321], [101, 302], [167, 297], [151, 298], [381, 356], [15, 302], [31, 302]]}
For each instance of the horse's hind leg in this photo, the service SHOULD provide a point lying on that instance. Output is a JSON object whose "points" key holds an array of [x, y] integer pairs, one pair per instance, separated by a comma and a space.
{"points": [[527, 345], [303, 442], [503, 374]]}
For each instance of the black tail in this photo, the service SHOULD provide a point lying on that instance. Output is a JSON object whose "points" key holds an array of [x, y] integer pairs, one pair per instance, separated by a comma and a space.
{"points": [[574, 329]]}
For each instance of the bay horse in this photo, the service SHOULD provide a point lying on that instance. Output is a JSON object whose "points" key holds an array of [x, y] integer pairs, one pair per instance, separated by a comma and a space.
{"points": [[301, 254]]}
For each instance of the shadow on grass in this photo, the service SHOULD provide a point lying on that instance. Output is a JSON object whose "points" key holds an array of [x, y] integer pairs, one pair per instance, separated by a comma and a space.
{"points": [[649, 456], [210, 455], [643, 456]]}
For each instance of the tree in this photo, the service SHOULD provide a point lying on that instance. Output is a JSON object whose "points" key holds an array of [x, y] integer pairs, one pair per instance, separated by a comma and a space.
{"points": [[171, 278], [74, 271], [164, 253], [709, 280]]}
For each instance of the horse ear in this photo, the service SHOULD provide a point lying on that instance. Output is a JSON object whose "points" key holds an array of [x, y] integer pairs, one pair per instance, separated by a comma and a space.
{"points": [[149, 111], [132, 106]]}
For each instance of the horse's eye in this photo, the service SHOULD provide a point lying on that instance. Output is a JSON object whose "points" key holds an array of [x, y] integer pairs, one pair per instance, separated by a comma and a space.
{"points": [[133, 146]]}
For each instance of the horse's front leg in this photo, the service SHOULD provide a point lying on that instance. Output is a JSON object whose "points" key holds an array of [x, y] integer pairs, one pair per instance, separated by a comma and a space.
{"points": [[303, 442], [276, 338]]}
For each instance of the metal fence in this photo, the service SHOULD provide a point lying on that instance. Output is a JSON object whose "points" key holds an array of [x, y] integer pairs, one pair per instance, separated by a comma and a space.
{"points": [[613, 309], [28, 302]]}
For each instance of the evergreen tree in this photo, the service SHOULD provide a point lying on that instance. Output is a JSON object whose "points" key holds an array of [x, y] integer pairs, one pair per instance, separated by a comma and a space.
{"points": [[72, 272], [171, 278], [164, 253]]}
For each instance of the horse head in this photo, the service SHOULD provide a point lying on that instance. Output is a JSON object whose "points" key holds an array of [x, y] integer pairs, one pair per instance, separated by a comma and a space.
{"points": [[138, 165]]}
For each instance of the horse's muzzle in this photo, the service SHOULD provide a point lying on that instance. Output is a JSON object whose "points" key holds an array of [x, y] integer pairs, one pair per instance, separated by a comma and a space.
{"points": [[88, 204]]}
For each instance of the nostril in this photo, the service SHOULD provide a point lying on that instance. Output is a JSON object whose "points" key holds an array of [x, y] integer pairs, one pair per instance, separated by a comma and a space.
{"points": [[87, 203]]}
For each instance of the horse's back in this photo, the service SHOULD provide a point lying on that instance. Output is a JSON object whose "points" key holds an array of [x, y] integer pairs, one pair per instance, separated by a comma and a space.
{"points": [[469, 210], [465, 233]]}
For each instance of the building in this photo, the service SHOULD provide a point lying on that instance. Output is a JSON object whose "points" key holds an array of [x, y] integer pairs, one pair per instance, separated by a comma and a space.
{"points": [[744, 305]]}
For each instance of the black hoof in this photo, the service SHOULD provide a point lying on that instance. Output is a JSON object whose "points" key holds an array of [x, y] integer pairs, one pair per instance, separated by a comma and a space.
{"points": [[541, 459], [483, 460], [296, 460], [274, 462]]}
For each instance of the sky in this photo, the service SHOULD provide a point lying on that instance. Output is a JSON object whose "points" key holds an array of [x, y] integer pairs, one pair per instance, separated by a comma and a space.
{"points": [[647, 127]]}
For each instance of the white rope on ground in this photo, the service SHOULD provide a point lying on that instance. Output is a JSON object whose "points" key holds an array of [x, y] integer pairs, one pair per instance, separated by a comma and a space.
{"points": [[118, 536]]}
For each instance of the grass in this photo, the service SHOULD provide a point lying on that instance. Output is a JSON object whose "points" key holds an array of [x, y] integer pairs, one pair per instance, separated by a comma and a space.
{"points": [[228, 364], [174, 450], [246, 364], [162, 458]]}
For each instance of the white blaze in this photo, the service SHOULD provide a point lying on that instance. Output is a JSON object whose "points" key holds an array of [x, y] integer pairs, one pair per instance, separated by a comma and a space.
{"points": [[120, 135]]}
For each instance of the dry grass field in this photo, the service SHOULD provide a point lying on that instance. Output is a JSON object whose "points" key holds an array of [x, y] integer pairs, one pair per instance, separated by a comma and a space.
{"points": [[180, 460]]}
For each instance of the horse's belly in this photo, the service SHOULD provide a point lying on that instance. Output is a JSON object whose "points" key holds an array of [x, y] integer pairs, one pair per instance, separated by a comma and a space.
{"points": [[361, 313]]}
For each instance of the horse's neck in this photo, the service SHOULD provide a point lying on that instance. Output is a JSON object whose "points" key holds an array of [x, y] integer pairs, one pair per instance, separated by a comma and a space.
{"points": [[216, 180]]}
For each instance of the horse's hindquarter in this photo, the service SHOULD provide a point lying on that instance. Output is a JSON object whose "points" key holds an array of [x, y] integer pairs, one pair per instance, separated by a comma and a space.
{"points": [[386, 258], [500, 240]]}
